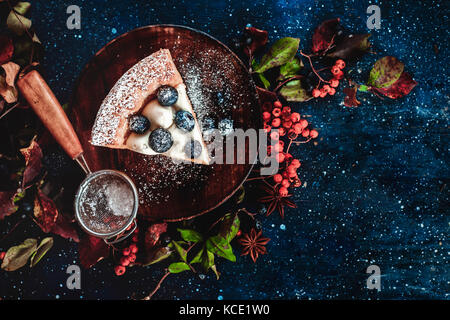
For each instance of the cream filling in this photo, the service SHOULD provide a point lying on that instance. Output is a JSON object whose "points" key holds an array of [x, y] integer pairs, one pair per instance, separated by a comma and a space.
{"points": [[161, 116]]}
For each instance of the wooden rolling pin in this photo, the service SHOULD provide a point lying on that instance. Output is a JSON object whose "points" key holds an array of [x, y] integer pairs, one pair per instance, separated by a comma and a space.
{"points": [[41, 98]]}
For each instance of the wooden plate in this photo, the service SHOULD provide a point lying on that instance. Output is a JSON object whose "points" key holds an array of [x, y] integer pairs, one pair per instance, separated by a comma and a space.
{"points": [[219, 87]]}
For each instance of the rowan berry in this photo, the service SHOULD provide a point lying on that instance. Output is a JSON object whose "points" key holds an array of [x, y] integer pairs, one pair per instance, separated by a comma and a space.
{"points": [[288, 157], [296, 183], [134, 248], [332, 91], [276, 112], [313, 134], [280, 157], [119, 270], [269, 150], [305, 133], [238, 234], [276, 122], [266, 116], [132, 257], [335, 70], [292, 135], [2, 255], [339, 75], [316, 93], [295, 163], [278, 147], [124, 261], [287, 124], [126, 251], [340, 64], [135, 238], [323, 93], [334, 83], [326, 88], [295, 117], [285, 183], [286, 110], [281, 131], [277, 104], [277, 178], [304, 123], [274, 135], [267, 128], [283, 191], [298, 128], [291, 169]]}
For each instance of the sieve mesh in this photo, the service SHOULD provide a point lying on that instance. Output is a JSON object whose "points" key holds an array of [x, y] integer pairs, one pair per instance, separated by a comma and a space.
{"points": [[105, 203]]}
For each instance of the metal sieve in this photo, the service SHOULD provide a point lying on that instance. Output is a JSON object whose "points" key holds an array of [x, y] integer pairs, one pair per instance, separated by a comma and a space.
{"points": [[106, 202], [106, 205]]}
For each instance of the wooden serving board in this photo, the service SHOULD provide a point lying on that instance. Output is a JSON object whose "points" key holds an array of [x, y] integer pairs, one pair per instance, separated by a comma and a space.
{"points": [[219, 87]]}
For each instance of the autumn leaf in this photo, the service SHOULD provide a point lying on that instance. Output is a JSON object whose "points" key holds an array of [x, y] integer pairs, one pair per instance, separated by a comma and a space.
{"points": [[17, 23], [7, 205], [45, 245], [8, 89], [258, 40], [351, 46], [22, 7], [290, 69], [16, 257], [153, 234], [385, 72], [63, 227], [350, 97], [6, 49], [33, 163], [45, 212], [399, 88], [324, 35], [92, 250]]}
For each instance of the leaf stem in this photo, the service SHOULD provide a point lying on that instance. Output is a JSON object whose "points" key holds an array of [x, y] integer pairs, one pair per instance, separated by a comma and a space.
{"points": [[157, 286], [312, 67]]}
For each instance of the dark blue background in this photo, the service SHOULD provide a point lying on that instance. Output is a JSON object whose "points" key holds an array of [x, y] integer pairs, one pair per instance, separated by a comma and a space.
{"points": [[377, 181]]}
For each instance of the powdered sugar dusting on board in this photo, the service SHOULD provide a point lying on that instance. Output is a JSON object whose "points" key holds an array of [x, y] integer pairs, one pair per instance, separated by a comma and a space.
{"points": [[122, 97]]}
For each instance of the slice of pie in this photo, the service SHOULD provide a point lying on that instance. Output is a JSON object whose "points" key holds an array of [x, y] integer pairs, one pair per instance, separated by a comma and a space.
{"points": [[148, 111]]}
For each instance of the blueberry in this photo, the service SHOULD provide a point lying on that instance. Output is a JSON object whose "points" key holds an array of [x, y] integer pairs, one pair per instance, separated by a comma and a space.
{"points": [[160, 140], [167, 95], [184, 121], [138, 124], [193, 149], [225, 126]]}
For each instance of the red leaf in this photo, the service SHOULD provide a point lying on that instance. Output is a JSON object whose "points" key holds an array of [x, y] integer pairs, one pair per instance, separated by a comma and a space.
{"points": [[45, 212], [7, 206], [399, 88], [259, 39], [6, 49], [33, 162], [350, 97], [153, 233], [323, 35], [92, 250], [65, 228]]}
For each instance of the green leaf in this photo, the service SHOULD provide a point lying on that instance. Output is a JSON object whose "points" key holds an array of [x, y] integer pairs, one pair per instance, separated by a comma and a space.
{"points": [[16, 257], [198, 257], [264, 80], [229, 227], [178, 267], [214, 268], [281, 52], [181, 251], [22, 7], [363, 88], [241, 195], [190, 235], [157, 256], [351, 47], [221, 247], [385, 72], [290, 69], [208, 260], [41, 250], [294, 92], [18, 23]]}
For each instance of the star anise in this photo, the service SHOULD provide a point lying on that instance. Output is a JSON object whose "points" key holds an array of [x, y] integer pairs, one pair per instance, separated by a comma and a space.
{"points": [[276, 201], [253, 244]]}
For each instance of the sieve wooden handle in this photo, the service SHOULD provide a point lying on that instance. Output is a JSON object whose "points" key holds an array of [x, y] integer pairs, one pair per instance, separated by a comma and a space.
{"points": [[41, 98]]}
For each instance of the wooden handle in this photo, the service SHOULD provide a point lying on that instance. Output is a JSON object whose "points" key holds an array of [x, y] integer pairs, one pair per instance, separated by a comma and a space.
{"points": [[44, 103]]}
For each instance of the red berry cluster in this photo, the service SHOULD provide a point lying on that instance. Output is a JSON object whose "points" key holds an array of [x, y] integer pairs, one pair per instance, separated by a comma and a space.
{"points": [[288, 123], [2, 255], [338, 74], [128, 255]]}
